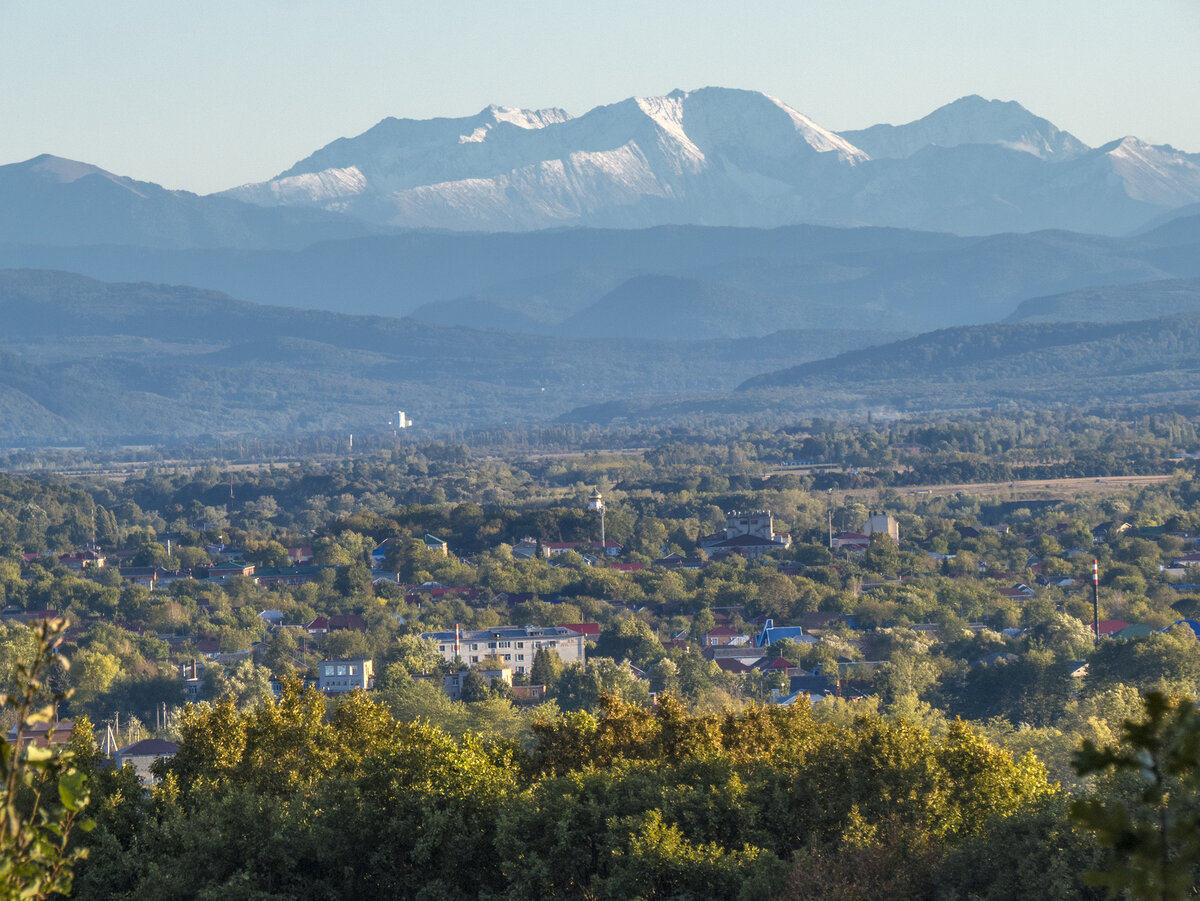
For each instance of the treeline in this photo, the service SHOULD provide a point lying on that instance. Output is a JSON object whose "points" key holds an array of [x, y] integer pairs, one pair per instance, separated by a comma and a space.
{"points": [[296, 799]]}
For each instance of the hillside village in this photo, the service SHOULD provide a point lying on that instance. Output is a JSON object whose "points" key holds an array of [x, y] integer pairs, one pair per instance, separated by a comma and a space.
{"points": [[978, 619], [647, 617]]}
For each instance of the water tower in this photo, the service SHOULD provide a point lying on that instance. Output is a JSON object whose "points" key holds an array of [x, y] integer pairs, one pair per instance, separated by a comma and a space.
{"points": [[596, 502]]}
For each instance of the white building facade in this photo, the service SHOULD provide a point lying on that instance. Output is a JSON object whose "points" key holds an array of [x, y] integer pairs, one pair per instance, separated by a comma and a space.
{"points": [[515, 645]]}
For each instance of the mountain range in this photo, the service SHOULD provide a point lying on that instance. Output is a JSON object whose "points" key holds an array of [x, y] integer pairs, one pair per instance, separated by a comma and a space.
{"points": [[647, 283], [62, 203], [717, 156], [707, 253], [88, 361], [713, 156]]}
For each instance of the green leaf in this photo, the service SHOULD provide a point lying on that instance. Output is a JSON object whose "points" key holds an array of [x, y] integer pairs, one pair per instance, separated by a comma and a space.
{"points": [[38, 754], [70, 786]]}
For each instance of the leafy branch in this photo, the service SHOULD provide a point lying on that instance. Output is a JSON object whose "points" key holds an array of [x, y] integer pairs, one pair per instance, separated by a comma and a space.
{"points": [[35, 825]]}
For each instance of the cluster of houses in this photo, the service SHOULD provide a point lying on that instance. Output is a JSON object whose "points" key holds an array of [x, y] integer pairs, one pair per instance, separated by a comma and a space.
{"points": [[139, 755], [751, 535]]}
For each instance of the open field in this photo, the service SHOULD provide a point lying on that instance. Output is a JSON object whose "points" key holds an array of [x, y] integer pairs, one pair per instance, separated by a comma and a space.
{"points": [[1035, 489]]}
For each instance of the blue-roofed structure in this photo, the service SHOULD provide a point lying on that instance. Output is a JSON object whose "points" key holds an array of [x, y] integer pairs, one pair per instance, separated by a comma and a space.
{"points": [[771, 633], [1190, 623]]}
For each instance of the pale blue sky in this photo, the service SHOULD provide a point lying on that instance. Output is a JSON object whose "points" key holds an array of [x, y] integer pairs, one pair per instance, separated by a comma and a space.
{"points": [[213, 94]]}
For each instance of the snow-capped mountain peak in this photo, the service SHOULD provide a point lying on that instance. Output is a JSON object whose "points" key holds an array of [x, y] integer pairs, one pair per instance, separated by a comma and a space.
{"points": [[723, 156], [1158, 175], [971, 120], [527, 118]]}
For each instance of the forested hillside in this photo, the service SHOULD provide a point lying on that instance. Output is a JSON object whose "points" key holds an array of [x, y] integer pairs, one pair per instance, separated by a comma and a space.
{"points": [[91, 362]]}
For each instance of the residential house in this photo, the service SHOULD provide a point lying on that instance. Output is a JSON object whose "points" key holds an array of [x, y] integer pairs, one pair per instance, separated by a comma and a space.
{"points": [[435, 544], [1110, 627], [381, 551], [223, 572], [323, 625], [772, 633], [855, 541], [208, 646], [814, 688], [1113, 527], [1018, 592], [193, 685], [151, 577], [270, 576], [527, 548], [721, 635], [43, 734], [82, 560], [141, 756], [528, 694]]}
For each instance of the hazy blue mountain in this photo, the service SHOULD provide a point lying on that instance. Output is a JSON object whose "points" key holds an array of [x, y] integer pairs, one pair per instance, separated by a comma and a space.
{"points": [[667, 307], [1114, 303], [814, 276], [479, 313], [1062, 365], [1031, 352], [48, 200], [1189, 211], [84, 361], [89, 361], [1174, 232]]}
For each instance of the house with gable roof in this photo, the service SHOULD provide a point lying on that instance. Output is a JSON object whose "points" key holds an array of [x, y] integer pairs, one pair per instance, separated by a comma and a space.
{"points": [[772, 633]]}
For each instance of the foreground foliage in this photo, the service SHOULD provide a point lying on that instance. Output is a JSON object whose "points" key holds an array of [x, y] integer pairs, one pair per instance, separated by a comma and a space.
{"points": [[1150, 814], [291, 800], [42, 792]]}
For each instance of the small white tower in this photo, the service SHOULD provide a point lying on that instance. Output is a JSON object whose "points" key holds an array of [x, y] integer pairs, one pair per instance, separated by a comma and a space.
{"points": [[596, 502]]}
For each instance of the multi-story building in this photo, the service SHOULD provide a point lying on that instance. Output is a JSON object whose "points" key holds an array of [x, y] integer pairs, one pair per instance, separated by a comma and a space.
{"points": [[751, 535], [452, 683], [881, 522], [515, 645], [337, 676]]}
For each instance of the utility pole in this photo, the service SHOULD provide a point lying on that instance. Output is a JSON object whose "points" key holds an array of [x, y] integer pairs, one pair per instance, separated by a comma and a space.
{"points": [[829, 509], [1096, 598]]}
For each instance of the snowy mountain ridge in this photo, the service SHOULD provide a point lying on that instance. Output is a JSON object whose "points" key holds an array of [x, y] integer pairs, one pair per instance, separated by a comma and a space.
{"points": [[971, 120], [713, 156], [671, 159], [718, 156]]}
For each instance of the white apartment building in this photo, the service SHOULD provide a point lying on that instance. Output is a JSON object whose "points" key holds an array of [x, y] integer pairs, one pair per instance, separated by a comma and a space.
{"points": [[515, 645], [337, 676]]}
